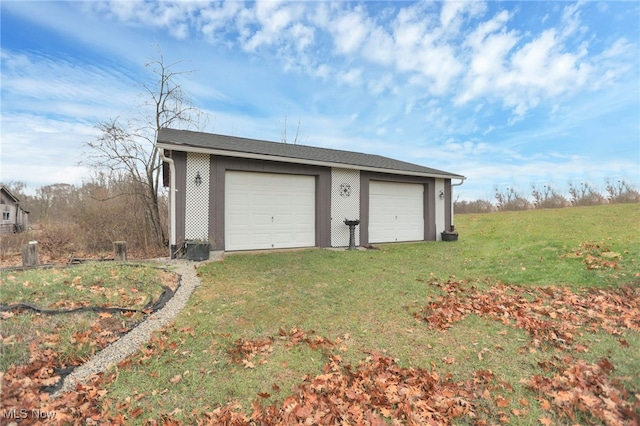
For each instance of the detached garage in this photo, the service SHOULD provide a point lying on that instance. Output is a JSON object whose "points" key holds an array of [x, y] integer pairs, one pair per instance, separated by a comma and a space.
{"points": [[247, 194]]}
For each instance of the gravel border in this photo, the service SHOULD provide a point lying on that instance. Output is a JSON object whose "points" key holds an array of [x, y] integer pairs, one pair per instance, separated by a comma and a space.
{"points": [[129, 343]]}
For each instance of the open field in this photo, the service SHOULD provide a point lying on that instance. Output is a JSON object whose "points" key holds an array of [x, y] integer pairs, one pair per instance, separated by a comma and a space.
{"points": [[531, 318]]}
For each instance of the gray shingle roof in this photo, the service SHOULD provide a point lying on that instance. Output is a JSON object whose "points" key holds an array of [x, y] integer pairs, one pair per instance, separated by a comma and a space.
{"points": [[182, 140]]}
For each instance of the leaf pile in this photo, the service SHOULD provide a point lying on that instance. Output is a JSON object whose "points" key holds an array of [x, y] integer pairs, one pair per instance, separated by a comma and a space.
{"points": [[297, 336], [243, 351], [46, 366], [596, 255], [552, 314], [583, 387], [25, 387], [55, 344], [376, 392]]}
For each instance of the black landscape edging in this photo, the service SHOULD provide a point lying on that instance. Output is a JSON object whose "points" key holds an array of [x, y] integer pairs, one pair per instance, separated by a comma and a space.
{"points": [[166, 295]]}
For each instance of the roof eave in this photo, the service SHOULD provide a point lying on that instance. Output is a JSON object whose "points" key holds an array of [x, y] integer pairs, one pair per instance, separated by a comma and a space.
{"points": [[254, 156], [13, 197]]}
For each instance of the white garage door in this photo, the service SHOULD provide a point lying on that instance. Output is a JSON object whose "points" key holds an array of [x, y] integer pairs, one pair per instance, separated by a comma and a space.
{"points": [[264, 211], [396, 212]]}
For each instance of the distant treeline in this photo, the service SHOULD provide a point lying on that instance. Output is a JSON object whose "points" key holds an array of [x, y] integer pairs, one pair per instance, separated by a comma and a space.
{"points": [[106, 208], [548, 197], [72, 220]]}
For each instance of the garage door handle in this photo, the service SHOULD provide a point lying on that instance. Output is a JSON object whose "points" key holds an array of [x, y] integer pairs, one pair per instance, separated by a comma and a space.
{"points": [[271, 218]]}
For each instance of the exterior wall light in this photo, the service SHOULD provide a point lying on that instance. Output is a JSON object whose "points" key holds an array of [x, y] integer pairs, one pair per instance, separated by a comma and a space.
{"points": [[198, 179], [441, 194]]}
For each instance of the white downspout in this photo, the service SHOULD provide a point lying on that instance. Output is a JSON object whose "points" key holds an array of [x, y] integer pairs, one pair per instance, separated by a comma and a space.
{"points": [[172, 201], [462, 179]]}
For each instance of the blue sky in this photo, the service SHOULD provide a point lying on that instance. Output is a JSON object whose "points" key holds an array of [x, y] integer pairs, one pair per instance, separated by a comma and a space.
{"points": [[504, 93]]}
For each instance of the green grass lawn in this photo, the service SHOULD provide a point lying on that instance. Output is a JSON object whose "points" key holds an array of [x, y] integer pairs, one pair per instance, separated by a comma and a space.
{"points": [[73, 335], [260, 324]]}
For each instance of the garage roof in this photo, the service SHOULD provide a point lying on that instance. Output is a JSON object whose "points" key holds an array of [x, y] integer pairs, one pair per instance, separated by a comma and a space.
{"points": [[232, 146]]}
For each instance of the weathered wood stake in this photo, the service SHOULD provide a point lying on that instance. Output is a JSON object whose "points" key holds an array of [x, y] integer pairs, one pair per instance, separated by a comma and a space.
{"points": [[30, 254], [120, 250]]}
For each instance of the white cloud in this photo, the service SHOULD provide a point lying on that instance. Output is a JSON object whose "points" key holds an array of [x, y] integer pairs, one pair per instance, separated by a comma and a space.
{"points": [[523, 74], [214, 21], [322, 71], [420, 49], [407, 30], [352, 77], [421, 41], [379, 47], [452, 11], [542, 66], [172, 16], [614, 62], [303, 36], [26, 158], [437, 117], [123, 11], [83, 92], [273, 18], [381, 85], [349, 30], [495, 24], [490, 44], [571, 19]]}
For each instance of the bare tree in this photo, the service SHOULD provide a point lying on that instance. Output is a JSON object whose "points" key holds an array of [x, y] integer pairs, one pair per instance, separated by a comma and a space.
{"points": [[129, 147], [53, 202], [547, 197], [622, 192], [476, 206], [17, 188], [585, 195], [284, 132], [510, 200]]}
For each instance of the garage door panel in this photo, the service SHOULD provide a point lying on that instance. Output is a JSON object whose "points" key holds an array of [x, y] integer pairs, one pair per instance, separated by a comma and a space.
{"points": [[396, 212], [264, 210]]}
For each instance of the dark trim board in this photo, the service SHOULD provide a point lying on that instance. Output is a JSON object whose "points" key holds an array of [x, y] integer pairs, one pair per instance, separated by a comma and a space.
{"points": [[448, 201]]}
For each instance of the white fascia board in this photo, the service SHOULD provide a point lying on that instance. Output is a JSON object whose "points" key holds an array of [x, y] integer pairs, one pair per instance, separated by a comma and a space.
{"points": [[281, 159]]}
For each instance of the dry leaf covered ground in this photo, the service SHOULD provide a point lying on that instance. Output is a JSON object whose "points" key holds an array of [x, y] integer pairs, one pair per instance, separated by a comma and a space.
{"points": [[531, 318]]}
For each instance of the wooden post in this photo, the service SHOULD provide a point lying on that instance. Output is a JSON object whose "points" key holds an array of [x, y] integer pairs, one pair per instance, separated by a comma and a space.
{"points": [[30, 254], [120, 250]]}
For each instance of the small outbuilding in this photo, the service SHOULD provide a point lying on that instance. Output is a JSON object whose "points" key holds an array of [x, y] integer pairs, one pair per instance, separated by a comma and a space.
{"points": [[247, 194], [15, 219]]}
